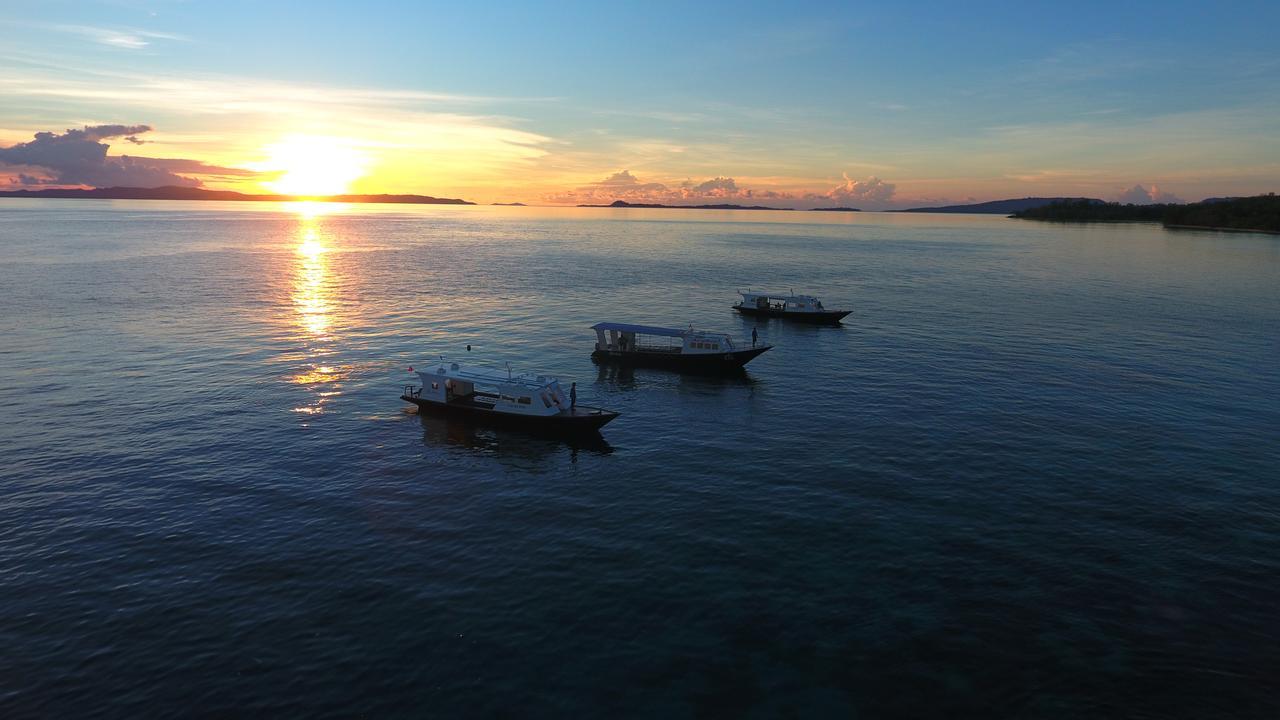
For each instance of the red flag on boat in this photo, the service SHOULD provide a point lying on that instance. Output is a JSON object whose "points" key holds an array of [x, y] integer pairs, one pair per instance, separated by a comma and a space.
{"points": [[410, 368]]}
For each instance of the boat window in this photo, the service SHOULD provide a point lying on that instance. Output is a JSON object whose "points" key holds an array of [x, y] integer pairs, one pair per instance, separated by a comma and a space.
{"points": [[715, 346], [435, 386]]}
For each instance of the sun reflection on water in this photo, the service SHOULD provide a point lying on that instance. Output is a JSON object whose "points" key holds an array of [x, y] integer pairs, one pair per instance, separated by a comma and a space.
{"points": [[311, 209], [311, 284], [315, 290]]}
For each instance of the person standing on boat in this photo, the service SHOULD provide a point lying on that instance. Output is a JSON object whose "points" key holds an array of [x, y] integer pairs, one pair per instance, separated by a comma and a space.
{"points": [[573, 395], [754, 336]]}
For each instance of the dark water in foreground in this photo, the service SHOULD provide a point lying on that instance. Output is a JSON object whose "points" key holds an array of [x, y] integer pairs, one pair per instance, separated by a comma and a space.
{"points": [[1036, 474]]}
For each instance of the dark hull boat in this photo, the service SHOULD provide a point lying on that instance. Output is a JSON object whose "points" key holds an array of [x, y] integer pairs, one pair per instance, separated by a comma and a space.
{"points": [[820, 317], [732, 361], [801, 308], [530, 403], [573, 421], [689, 350]]}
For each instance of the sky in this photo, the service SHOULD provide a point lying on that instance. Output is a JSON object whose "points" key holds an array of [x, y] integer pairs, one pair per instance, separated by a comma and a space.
{"points": [[871, 105]]}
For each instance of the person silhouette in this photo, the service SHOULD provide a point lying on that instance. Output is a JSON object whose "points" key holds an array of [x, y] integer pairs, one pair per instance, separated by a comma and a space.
{"points": [[754, 336], [573, 395]]}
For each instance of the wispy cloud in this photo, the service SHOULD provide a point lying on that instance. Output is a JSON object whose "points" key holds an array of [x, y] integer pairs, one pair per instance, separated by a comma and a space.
{"points": [[416, 139], [119, 37]]}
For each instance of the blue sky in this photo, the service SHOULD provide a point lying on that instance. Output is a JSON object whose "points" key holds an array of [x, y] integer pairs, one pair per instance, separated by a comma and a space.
{"points": [[869, 104]]}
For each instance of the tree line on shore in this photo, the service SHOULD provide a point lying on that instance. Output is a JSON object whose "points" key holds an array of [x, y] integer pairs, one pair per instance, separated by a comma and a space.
{"points": [[1261, 212]]}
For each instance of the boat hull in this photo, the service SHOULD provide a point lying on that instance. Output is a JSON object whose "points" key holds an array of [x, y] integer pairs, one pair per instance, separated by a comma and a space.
{"points": [[730, 362], [581, 420], [820, 317]]}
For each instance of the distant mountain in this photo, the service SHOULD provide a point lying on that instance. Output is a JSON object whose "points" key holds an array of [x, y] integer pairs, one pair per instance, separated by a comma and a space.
{"points": [[1001, 207], [171, 192], [835, 209], [625, 204]]}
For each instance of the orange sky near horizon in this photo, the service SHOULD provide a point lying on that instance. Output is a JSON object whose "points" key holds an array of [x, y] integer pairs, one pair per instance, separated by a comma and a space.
{"points": [[873, 107]]}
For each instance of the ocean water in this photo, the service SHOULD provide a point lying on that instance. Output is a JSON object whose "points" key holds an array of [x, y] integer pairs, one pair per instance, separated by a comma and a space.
{"points": [[1036, 473]]}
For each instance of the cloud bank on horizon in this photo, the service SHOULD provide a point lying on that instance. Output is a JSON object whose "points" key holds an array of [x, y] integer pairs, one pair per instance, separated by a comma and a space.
{"points": [[872, 192], [77, 158], [1139, 195]]}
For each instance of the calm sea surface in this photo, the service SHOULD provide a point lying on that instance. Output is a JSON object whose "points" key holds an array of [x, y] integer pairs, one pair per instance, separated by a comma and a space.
{"points": [[1035, 474]]}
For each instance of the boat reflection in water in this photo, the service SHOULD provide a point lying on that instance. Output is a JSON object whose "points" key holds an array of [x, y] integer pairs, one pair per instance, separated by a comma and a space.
{"points": [[521, 447], [629, 377]]}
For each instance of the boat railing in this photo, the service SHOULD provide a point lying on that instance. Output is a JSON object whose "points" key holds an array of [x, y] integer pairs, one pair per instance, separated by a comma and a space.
{"points": [[658, 348], [412, 391]]}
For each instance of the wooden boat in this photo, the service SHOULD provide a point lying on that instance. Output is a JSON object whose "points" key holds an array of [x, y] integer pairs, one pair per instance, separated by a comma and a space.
{"points": [[531, 402], [685, 350], [804, 308]]}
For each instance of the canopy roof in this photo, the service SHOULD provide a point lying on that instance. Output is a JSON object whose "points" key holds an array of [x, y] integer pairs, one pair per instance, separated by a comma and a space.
{"points": [[776, 296], [640, 329], [486, 376]]}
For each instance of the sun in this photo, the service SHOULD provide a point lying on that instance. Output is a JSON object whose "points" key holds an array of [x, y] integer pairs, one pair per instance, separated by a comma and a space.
{"points": [[312, 165]]}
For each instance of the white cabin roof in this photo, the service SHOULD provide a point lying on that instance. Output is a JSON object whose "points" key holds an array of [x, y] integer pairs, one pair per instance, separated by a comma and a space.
{"points": [[776, 296], [485, 375], [656, 331], [640, 329]]}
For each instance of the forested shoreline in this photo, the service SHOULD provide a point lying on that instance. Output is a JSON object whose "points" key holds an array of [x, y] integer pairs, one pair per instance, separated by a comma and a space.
{"points": [[1260, 213]]}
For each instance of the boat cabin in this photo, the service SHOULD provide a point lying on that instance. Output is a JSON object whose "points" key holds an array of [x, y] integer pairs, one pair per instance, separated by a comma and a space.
{"points": [[524, 394], [779, 302], [626, 338]]}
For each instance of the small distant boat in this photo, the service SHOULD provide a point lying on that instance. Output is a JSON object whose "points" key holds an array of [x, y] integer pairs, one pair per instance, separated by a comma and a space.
{"points": [[530, 402], [804, 308], [689, 350]]}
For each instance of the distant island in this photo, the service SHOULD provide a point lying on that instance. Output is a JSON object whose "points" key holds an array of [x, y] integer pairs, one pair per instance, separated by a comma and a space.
{"points": [[172, 192], [1260, 213], [625, 204], [514, 204], [835, 209], [1000, 207]]}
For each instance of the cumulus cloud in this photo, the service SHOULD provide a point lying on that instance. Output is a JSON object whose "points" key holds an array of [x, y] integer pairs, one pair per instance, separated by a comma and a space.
{"points": [[873, 190], [626, 183], [716, 187], [1138, 195], [79, 157], [625, 186]]}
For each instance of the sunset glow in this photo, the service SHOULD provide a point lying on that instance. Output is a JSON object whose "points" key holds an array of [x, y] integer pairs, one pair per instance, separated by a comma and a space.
{"points": [[313, 166], [754, 111]]}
